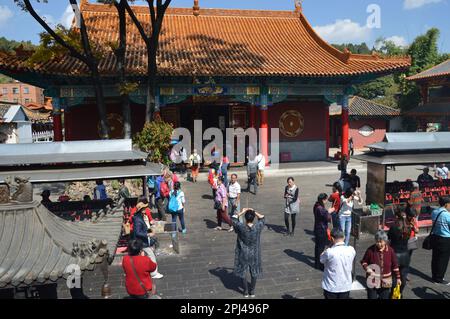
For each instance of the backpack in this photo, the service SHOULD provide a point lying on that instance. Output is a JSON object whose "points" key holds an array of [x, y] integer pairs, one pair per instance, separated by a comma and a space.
{"points": [[252, 167], [164, 190], [174, 205]]}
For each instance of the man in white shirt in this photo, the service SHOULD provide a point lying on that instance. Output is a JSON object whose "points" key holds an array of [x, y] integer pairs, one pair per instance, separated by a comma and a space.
{"points": [[441, 172], [338, 261], [261, 160], [234, 196]]}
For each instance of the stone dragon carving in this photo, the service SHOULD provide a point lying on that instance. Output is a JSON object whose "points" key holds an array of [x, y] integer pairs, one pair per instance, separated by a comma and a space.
{"points": [[23, 188]]}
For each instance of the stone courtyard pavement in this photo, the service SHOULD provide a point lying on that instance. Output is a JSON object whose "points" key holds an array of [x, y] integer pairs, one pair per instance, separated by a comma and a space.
{"points": [[204, 267]]}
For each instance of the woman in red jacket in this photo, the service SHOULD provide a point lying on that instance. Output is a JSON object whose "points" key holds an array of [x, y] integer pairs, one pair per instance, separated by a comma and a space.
{"points": [[137, 268]]}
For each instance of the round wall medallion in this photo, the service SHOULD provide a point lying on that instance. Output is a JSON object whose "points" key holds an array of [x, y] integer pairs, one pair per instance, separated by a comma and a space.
{"points": [[115, 123], [366, 130], [291, 123]]}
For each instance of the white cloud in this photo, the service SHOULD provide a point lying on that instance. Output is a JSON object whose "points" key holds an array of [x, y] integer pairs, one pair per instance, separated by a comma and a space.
{"points": [[344, 31], [67, 17], [414, 4], [5, 14], [398, 41]]}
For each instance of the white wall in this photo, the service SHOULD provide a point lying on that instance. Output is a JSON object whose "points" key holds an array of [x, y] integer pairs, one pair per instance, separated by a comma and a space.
{"points": [[24, 132]]}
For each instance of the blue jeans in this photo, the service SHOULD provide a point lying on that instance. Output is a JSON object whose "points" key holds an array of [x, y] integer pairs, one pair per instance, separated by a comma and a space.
{"points": [[231, 209], [180, 215], [346, 226]]}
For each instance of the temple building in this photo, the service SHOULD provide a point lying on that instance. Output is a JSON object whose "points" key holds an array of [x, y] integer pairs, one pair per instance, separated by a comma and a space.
{"points": [[229, 68], [433, 114], [369, 122]]}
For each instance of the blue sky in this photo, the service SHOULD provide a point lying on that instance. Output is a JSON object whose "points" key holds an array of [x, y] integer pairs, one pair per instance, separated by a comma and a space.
{"points": [[336, 20]]}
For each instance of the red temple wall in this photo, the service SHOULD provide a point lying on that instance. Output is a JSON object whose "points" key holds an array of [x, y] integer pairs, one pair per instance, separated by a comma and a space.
{"points": [[361, 141], [314, 115], [81, 122]]}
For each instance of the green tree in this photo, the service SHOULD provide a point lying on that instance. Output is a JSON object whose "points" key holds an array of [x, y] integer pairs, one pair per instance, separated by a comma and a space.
{"points": [[354, 48], [155, 139], [9, 46]]}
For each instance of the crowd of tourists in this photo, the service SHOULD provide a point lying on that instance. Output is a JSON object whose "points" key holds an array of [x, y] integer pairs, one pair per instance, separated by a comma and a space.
{"points": [[386, 263]]}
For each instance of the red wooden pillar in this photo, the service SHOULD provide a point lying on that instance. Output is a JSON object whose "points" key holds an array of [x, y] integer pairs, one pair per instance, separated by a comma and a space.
{"points": [[67, 125], [264, 133], [252, 116], [57, 121], [345, 126], [327, 123]]}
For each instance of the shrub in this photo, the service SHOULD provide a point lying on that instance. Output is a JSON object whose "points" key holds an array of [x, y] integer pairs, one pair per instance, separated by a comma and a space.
{"points": [[154, 139]]}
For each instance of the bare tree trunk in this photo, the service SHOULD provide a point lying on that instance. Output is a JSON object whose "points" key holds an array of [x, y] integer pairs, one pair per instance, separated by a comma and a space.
{"points": [[151, 86], [126, 113], [120, 55], [101, 107]]}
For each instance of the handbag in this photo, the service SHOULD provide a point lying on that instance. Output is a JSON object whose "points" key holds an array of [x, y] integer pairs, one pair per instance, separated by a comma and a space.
{"points": [[428, 242], [126, 228], [217, 204], [138, 278], [413, 243]]}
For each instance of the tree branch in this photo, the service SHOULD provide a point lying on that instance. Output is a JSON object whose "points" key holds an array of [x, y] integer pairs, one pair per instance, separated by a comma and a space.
{"points": [[83, 31], [138, 24], [55, 36], [152, 15]]}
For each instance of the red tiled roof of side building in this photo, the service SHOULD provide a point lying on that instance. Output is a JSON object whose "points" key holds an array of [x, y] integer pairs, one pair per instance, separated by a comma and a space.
{"points": [[218, 42], [440, 70]]}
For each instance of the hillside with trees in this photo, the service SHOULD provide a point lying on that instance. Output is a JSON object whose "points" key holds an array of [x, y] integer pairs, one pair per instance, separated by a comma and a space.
{"points": [[394, 90]]}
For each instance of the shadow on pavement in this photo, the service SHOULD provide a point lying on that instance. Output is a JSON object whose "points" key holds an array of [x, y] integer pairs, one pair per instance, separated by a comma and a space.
{"points": [[430, 293], [276, 228], [229, 280], [300, 256], [308, 232], [288, 296], [205, 196], [210, 224], [418, 273]]}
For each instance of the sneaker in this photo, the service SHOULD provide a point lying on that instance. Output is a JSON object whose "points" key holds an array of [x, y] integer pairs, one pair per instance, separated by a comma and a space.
{"points": [[184, 231], [158, 276], [287, 233], [252, 296], [245, 295], [292, 234], [231, 229], [442, 282], [218, 228]]}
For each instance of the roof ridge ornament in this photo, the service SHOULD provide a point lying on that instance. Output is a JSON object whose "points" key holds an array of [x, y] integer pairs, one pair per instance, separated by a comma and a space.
{"points": [[299, 6], [196, 8]]}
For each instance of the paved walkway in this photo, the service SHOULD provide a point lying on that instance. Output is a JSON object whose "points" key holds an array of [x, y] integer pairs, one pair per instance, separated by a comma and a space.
{"points": [[204, 267]]}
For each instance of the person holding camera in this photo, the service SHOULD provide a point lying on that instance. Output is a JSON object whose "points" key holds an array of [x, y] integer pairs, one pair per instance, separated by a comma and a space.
{"points": [[338, 265], [248, 248], [345, 212]]}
